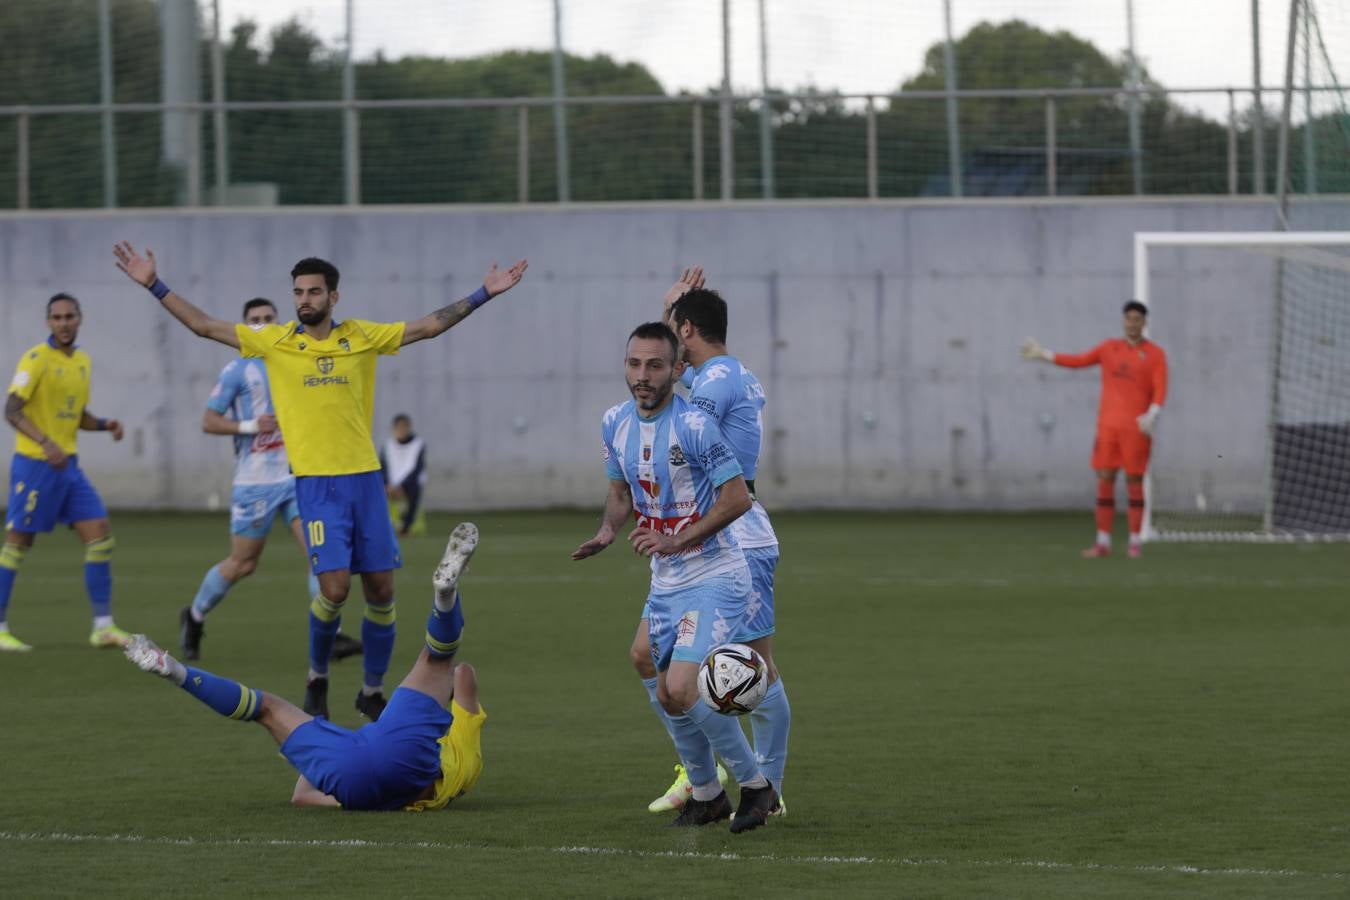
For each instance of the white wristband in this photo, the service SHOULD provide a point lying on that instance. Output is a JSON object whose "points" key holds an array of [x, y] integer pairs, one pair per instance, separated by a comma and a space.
{"points": [[248, 426]]}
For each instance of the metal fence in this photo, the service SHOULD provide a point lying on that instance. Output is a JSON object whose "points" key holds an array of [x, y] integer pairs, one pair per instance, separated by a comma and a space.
{"points": [[318, 134]]}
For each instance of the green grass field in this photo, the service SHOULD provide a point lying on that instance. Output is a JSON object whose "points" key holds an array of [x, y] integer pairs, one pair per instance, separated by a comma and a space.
{"points": [[977, 712]]}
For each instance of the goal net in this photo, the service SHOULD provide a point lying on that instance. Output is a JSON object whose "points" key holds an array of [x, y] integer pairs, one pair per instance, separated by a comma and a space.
{"points": [[1255, 441]]}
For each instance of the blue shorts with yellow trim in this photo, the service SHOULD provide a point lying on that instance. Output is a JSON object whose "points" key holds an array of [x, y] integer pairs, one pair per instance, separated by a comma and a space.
{"points": [[253, 507], [40, 495], [383, 765], [346, 519]]}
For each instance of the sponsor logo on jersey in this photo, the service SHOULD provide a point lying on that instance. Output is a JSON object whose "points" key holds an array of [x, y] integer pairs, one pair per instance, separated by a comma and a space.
{"points": [[266, 441], [721, 628], [325, 364], [677, 456]]}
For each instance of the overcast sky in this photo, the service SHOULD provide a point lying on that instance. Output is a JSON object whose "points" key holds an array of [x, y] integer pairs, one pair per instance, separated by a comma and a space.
{"points": [[852, 45]]}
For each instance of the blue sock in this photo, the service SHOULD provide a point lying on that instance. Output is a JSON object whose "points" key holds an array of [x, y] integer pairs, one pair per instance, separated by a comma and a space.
{"points": [[725, 735], [313, 586], [650, 685], [769, 723], [444, 630], [377, 634], [325, 618], [98, 573], [229, 698], [695, 751], [11, 557], [213, 590]]}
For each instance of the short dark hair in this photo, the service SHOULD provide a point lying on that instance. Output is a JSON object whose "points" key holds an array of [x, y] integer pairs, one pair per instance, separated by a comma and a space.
{"points": [[312, 265], [706, 311], [62, 295], [255, 303], [1135, 306], [403, 417], [658, 331]]}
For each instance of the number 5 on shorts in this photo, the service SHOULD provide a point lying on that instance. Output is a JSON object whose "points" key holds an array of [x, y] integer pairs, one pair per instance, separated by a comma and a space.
{"points": [[316, 533], [32, 502]]}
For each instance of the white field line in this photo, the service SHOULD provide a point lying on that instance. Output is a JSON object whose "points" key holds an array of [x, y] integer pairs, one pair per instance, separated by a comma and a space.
{"points": [[61, 837]]}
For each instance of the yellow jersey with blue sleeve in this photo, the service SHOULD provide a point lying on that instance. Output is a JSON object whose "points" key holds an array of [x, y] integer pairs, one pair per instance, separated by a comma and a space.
{"points": [[324, 391], [54, 389]]}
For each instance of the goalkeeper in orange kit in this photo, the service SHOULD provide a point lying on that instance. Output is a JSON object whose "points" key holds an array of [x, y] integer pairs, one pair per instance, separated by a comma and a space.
{"points": [[1134, 388]]}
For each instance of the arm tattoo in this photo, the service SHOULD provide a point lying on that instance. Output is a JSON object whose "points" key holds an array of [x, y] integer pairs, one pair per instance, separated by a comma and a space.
{"points": [[453, 314], [13, 409]]}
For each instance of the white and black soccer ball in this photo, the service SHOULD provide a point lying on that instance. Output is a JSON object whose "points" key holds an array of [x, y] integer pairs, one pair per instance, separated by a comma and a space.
{"points": [[733, 679]]}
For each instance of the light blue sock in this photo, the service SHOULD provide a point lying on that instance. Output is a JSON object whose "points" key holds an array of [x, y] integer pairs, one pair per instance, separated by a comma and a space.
{"points": [[650, 685], [695, 751], [229, 698], [725, 735], [769, 723], [213, 590]]}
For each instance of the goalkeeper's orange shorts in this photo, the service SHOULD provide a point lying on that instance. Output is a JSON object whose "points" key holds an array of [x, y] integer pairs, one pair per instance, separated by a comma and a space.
{"points": [[1121, 446]]}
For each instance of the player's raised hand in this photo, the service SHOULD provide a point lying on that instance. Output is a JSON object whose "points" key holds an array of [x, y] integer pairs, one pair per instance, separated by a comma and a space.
{"points": [[690, 279], [498, 282], [647, 542], [115, 427], [592, 547], [140, 269], [1031, 349]]}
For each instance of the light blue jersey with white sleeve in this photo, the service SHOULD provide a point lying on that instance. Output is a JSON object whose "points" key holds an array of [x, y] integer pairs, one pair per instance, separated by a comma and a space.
{"points": [[242, 392], [732, 396], [674, 463]]}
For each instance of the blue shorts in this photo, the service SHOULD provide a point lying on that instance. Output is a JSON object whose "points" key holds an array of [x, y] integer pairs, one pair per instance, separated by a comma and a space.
{"points": [[684, 624], [383, 765], [41, 496], [347, 525], [253, 507], [759, 613]]}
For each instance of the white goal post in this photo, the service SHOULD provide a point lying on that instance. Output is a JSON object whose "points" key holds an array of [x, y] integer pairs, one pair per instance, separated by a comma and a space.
{"points": [[1255, 442]]}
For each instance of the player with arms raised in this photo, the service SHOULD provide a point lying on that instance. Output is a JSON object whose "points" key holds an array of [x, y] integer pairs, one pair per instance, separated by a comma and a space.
{"points": [[669, 466], [263, 488], [1134, 389], [322, 376], [48, 404]]}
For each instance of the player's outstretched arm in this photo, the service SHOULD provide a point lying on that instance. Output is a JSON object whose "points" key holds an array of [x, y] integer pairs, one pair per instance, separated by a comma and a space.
{"points": [[618, 507], [690, 279], [56, 457], [91, 422], [141, 269], [1033, 351], [442, 320], [733, 501]]}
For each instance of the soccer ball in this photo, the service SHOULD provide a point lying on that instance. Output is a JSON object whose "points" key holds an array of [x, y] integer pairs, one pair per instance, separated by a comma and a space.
{"points": [[733, 679]]}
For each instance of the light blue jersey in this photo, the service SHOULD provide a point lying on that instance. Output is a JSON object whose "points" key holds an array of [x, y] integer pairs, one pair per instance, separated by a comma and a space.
{"points": [[732, 396], [242, 392], [673, 464]]}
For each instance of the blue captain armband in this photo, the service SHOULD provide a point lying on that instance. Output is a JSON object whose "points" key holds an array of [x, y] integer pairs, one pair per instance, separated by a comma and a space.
{"points": [[479, 297]]}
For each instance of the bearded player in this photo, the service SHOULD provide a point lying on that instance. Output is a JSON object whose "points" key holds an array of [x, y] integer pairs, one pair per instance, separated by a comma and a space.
{"points": [[322, 377], [1134, 389]]}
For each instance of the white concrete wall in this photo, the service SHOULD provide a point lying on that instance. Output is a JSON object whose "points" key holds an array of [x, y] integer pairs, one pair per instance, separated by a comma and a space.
{"points": [[886, 337]]}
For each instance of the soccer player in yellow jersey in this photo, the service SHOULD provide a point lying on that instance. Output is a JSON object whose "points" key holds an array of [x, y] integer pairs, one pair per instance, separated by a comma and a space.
{"points": [[322, 376], [47, 404]]}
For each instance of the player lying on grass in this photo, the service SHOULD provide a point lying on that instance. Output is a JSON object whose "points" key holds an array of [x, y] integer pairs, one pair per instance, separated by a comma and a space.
{"points": [[1134, 388], [418, 756]]}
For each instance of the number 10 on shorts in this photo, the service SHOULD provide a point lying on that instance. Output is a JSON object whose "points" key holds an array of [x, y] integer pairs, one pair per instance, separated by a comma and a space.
{"points": [[315, 533]]}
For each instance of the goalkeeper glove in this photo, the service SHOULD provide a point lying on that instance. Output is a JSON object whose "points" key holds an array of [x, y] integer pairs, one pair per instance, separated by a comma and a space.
{"points": [[1031, 349], [1149, 420]]}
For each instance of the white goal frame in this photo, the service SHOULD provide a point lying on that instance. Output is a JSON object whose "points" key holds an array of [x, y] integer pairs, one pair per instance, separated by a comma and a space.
{"points": [[1301, 246]]}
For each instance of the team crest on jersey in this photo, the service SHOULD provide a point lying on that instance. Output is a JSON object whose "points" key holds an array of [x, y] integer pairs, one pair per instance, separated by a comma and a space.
{"points": [[646, 454], [677, 456], [346, 347], [302, 345], [325, 364]]}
